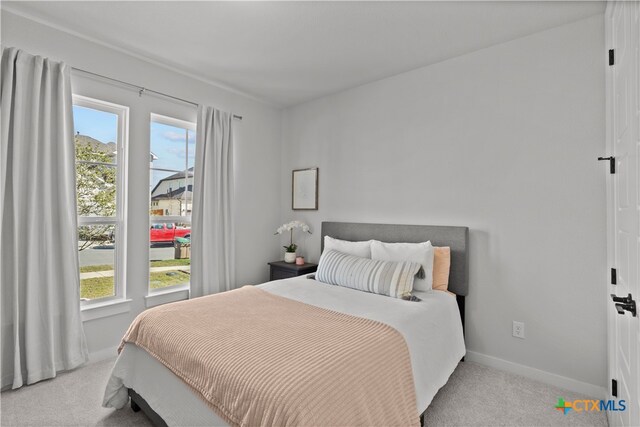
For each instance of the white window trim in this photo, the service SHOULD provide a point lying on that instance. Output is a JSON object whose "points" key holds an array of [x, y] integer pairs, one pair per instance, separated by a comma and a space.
{"points": [[176, 292], [167, 295], [103, 308], [170, 121], [120, 251]]}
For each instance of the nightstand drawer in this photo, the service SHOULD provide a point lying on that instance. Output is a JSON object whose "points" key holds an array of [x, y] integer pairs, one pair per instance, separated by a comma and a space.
{"points": [[283, 270], [277, 274]]}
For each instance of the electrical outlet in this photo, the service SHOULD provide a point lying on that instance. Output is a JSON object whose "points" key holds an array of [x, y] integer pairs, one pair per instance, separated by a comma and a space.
{"points": [[518, 329]]}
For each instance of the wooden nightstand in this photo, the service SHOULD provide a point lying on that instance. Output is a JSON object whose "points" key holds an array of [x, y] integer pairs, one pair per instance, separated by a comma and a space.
{"points": [[284, 270]]}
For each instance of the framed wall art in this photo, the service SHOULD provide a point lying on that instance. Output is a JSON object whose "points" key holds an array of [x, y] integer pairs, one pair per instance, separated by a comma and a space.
{"points": [[304, 194]]}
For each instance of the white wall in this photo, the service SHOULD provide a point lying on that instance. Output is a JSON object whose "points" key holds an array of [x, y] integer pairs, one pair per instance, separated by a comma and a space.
{"points": [[503, 140], [257, 155]]}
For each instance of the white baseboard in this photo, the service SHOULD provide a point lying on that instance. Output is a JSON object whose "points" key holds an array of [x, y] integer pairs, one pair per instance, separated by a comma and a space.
{"points": [[105, 353], [556, 380]]}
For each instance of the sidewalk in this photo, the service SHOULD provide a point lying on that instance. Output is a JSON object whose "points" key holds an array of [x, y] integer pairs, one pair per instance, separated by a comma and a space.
{"points": [[109, 273]]}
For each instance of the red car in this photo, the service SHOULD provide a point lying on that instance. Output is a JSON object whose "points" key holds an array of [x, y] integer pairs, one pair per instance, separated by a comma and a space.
{"points": [[166, 233]]}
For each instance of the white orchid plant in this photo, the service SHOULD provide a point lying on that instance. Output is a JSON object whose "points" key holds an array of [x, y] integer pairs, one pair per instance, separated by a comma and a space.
{"points": [[290, 226]]}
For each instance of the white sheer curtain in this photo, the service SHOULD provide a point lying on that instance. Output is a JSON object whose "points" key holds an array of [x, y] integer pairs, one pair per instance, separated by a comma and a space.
{"points": [[212, 223], [40, 284]]}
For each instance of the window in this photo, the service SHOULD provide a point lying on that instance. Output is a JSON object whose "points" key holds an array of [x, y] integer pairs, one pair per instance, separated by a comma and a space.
{"points": [[100, 146], [170, 194]]}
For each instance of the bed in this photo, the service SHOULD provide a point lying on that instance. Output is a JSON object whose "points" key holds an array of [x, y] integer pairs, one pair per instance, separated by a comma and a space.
{"points": [[433, 329]]}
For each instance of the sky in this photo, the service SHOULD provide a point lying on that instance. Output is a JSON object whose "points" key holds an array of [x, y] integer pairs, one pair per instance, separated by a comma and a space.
{"points": [[99, 125], [167, 142]]}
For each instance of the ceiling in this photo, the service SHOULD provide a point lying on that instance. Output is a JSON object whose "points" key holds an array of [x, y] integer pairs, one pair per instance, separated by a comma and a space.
{"points": [[287, 53]]}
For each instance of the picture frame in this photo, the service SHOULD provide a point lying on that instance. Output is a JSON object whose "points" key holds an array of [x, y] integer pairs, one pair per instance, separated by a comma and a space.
{"points": [[304, 189]]}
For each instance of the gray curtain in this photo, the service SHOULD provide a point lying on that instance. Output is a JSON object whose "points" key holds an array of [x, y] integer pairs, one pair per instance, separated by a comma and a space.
{"points": [[212, 222], [40, 285]]}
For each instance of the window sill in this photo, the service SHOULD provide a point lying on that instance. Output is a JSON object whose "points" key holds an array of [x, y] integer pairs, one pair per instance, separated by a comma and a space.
{"points": [[167, 296], [104, 309]]}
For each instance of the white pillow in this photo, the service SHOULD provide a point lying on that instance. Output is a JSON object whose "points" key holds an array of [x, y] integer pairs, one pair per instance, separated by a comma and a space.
{"points": [[416, 252], [361, 249]]}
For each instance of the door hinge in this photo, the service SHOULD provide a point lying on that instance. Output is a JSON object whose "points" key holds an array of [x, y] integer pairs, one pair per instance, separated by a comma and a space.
{"points": [[614, 388], [614, 276], [612, 163], [612, 57]]}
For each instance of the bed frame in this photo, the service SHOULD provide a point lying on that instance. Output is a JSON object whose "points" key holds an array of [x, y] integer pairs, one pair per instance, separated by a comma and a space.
{"points": [[457, 238]]}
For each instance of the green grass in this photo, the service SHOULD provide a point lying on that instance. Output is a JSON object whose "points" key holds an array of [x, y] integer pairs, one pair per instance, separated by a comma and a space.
{"points": [[91, 268], [170, 262], [156, 263], [100, 287], [163, 279]]}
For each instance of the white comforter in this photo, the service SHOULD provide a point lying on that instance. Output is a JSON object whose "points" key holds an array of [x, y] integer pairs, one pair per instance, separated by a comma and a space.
{"points": [[431, 328]]}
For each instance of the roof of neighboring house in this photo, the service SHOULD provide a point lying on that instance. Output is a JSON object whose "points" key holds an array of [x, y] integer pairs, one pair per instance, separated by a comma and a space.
{"points": [[175, 194], [177, 175]]}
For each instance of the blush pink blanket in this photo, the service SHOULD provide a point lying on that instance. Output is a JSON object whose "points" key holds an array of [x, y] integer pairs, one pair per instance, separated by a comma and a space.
{"points": [[261, 359]]}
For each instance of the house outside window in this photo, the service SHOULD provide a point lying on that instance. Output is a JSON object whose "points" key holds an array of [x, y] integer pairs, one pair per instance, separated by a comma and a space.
{"points": [[172, 143]]}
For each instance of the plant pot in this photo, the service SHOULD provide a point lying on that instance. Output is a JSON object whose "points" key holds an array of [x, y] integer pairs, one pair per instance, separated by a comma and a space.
{"points": [[290, 257]]}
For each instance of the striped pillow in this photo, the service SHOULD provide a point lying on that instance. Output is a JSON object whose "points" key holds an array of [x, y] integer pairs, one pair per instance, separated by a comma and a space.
{"points": [[391, 278]]}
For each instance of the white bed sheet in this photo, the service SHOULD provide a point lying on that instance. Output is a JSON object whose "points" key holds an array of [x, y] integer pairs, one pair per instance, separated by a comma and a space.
{"points": [[431, 328]]}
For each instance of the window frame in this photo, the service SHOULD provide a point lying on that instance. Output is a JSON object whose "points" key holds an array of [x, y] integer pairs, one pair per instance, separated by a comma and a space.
{"points": [[120, 250], [168, 219]]}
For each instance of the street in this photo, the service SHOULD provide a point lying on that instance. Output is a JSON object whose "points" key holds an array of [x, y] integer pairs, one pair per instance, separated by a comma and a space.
{"points": [[103, 254]]}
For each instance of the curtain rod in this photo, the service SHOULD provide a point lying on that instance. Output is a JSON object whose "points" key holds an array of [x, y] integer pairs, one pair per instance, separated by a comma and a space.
{"points": [[141, 89]]}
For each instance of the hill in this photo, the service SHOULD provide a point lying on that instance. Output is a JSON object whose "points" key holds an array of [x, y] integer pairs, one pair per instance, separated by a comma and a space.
{"points": [[109, 147]]}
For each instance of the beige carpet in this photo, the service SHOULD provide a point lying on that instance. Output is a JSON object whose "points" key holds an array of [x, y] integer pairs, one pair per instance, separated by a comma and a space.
{"points": [[71, 399], [475, 396]]}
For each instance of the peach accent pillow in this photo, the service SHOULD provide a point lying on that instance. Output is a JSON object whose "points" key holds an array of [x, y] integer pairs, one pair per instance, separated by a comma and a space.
{"points": [[441, 266]]}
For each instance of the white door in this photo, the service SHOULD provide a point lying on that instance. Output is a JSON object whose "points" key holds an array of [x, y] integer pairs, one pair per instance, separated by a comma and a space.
{"points": [[623, 130]]}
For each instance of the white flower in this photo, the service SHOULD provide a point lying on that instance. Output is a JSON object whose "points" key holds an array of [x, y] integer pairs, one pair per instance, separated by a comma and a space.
{"points": [[292, 225]]}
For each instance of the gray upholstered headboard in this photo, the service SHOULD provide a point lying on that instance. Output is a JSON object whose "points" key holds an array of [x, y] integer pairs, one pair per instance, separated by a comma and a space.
{"points": [[457, 238]]}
